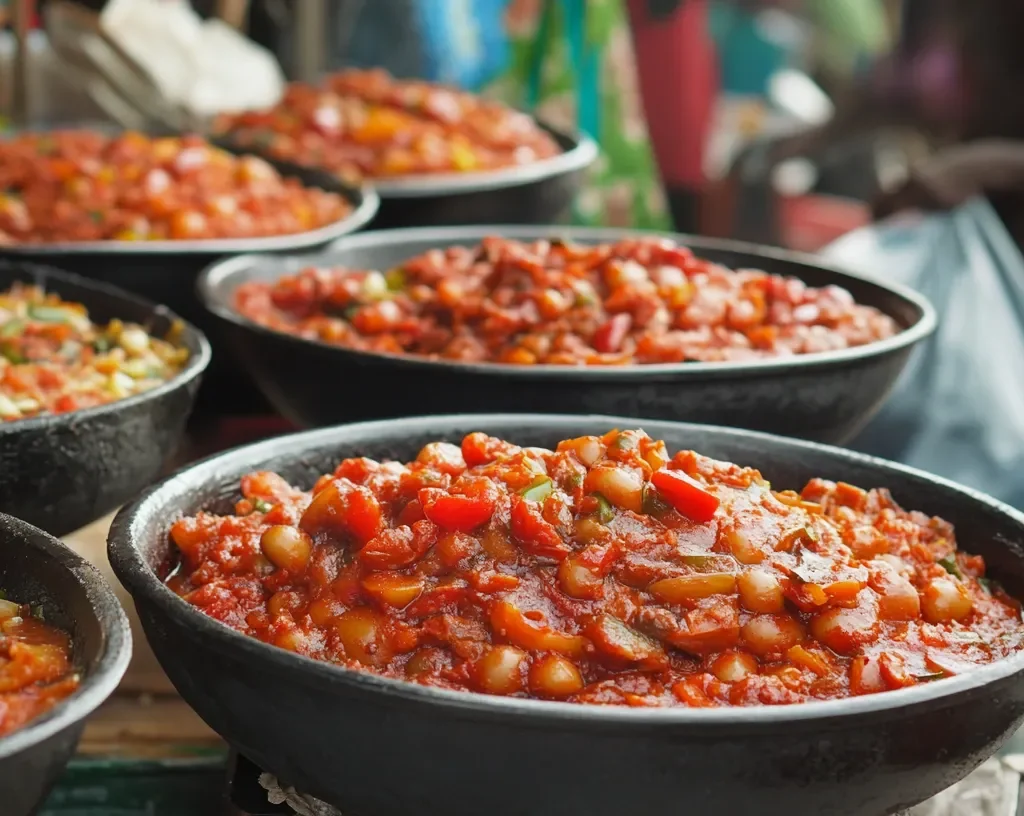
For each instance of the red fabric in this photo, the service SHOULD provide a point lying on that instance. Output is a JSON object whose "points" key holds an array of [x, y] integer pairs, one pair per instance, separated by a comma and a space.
{"points": [[678, 73]]}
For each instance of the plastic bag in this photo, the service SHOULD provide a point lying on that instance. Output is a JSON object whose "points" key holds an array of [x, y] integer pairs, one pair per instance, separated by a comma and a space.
{"points": [[958, 410]]}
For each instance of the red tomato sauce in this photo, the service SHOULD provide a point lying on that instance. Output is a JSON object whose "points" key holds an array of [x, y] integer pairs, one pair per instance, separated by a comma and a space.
{"points": [[637, 301], [54, 359], [606, 571], [35, 666], [366, 124], [85, 186]]}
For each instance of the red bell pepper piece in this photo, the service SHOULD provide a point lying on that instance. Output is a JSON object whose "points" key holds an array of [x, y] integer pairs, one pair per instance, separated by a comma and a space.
{"points": [[453, 512], [686, 495], [608, 338]]}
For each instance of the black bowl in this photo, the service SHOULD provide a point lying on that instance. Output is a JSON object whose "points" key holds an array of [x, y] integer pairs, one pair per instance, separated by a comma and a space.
{"points": [[343, 735], [62, 471], [826, 397], [538, 193], [36, 568], [165, 272]]}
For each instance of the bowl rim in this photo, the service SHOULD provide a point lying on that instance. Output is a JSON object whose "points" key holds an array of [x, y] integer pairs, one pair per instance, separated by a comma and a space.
{"points": [[366, 199], [578, 153], [116, 650], [220, 272], [143, 584], [196, 365]]}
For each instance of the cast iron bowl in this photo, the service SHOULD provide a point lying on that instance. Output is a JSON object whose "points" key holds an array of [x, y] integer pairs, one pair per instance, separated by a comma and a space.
{"points": [[61, 472], [537, 193], [36, 568], [165, 272], [377, 747], [826, 397]]}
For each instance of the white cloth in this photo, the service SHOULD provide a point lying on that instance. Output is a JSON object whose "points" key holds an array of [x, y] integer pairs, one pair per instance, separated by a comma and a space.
{"points": [[204, 66]]}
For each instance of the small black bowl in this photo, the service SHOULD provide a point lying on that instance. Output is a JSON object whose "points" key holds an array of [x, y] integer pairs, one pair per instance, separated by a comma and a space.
{"points": [[36, 568], [826, 397], [340, 735], [62, 471], [539, 193], [165, 272]]}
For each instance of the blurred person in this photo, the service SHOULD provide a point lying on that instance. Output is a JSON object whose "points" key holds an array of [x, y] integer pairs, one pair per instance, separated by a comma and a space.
{"points": [[678, 75], [953, 77], [679, 70]]}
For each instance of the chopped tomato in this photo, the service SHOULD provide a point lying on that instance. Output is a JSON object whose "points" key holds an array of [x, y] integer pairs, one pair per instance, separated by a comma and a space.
{"points": [[35, 665], [557, 303], [364, 124], [493, 568], [80, 185], [535, 533]]}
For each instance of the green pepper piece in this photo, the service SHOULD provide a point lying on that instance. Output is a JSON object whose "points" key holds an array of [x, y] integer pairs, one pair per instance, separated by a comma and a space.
{"points": [[709, 562], [13, 355], [49, 314], [262, 139], [541, 488], [624, 442], [262, 506], [584, 299], [653, 504], [37, 612], [925, 678], [12, 328], [697, 560], [605, 512], [949, 565], [396, 279]]}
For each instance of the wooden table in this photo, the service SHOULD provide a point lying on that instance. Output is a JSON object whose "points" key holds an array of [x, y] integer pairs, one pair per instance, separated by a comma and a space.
{"points": [[145, 718]]}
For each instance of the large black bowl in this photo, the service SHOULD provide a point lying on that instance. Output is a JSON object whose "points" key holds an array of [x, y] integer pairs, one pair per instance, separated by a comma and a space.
{"points": [[378, 747], [826, 397], [538, 193], [36, 568], [63, 471], [165, 272]]}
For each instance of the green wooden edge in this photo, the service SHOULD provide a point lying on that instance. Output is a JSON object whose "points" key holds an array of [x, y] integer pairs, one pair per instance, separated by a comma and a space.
{"points": [[186, 786]]}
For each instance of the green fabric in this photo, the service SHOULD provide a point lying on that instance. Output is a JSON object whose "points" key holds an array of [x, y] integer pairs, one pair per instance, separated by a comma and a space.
{"points": [[623, 188], [850, 31], [97, 787]]}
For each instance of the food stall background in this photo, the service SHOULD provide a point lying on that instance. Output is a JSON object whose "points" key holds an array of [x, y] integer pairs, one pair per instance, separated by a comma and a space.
{"points": [[747, 79]]}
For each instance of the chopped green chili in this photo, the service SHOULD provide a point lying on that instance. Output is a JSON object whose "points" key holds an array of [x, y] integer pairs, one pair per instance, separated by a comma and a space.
{"points": [[604, 513], [949, 565], [539, 490]]}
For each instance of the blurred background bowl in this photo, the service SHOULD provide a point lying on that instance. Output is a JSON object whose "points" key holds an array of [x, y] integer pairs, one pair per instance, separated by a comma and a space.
{"points": [[62, 471], [538, 193], [165, 272], [36, 568], [826, 397]]}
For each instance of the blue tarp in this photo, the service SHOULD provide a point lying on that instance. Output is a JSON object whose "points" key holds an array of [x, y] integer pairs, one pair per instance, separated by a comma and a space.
{"points": [[958, 410]]}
